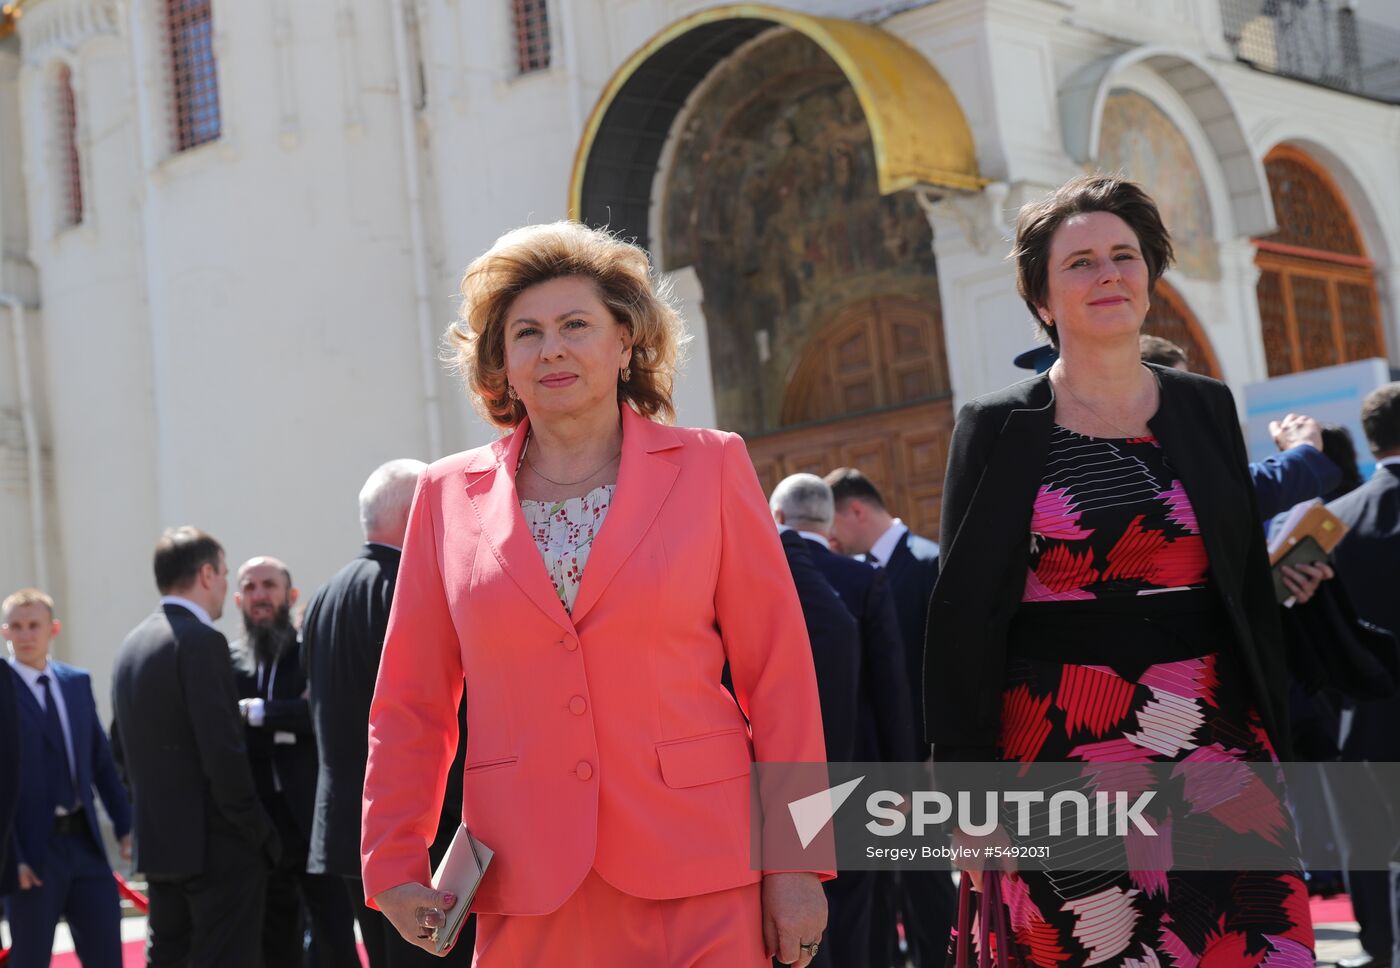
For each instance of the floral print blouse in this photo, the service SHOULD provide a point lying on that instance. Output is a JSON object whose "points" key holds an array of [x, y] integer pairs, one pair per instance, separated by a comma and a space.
{"points": [[564, 533]]}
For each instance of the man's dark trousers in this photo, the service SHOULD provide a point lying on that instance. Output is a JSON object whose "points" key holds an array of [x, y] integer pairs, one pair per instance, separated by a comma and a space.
{"points": [[78, 886], [212, 919], [288, 885]]}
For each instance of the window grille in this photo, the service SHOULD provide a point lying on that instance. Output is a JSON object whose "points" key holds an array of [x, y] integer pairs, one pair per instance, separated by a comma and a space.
{"points": [[194, 75], [69, 170], [1317, 288], [531, 35]]}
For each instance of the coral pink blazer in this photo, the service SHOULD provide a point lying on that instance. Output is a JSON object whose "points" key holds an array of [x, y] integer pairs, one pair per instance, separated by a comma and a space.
{"points": [[603, 740]]}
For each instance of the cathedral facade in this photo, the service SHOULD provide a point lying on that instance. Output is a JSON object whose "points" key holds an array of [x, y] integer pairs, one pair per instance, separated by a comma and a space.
{"points": [[232, 232]]}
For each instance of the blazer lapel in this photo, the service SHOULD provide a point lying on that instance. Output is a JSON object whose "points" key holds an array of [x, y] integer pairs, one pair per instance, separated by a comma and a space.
{"points": [[491, 489], [644, 480], [1012, 474], [73, 699], [27, 701]]}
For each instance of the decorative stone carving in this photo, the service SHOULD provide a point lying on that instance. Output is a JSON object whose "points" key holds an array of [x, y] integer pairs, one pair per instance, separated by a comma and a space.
{"points": [[65, 25]]}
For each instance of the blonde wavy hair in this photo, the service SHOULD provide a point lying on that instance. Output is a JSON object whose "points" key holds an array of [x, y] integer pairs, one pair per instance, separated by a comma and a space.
{"points": [[622, 275]]}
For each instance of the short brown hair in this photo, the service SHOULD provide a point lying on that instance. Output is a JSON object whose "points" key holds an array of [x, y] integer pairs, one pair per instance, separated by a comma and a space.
{"points": [[26, 596], [1037, 223], [1380, 418], [1163, 352], [623, 277], [180, 554], [848, 482]]}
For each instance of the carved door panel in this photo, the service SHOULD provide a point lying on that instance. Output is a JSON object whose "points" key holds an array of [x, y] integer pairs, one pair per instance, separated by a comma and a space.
{"points": [[870, 391], [904, 451]]}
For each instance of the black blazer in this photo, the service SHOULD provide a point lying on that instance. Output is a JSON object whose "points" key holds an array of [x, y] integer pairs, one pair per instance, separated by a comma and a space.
{"points": [[342, 638], [835, 641], [179, 743], [884, 717], [1368, 561], [291, 756], [913, 571], [995, 465]]}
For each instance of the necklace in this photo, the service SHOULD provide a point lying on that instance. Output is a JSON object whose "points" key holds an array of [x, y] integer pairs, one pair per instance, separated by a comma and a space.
{"points": [[1064, 383], [525, 459]]}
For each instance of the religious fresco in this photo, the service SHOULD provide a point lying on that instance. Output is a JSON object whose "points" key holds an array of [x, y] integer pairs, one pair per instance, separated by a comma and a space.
{"points": [[1137, 138], [772, 197]]}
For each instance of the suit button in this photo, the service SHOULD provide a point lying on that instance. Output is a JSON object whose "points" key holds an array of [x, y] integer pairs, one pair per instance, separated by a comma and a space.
{"points": [[570, 644], [577, 706], [585, 770]]}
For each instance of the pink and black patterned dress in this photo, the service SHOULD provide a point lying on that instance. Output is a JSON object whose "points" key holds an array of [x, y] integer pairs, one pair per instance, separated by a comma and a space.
{"points": [[1122, 653]]}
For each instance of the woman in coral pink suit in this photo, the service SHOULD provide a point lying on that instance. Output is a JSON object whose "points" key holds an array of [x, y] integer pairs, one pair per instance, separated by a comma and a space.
{"points": [[588, 576]]}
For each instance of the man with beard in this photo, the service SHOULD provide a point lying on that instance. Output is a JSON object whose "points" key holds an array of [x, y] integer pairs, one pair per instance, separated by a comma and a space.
{"points": [[282, 752]]}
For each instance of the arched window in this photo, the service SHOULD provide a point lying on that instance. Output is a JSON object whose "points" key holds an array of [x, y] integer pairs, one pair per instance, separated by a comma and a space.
{"points": [[194, 78], [531, 35], [1317, 286], [69, 171], [1170, 318]]}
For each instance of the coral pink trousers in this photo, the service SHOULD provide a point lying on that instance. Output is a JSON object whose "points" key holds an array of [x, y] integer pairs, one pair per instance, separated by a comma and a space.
{"points": [[600, 927]]}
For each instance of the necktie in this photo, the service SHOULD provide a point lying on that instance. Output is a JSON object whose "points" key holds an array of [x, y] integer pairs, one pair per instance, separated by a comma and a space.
{"points": [[60, 775]]}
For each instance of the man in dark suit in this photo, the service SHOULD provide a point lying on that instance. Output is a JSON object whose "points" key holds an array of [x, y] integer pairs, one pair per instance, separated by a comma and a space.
{"points": [[282, 751], [1367, 562], [203, 838], [342, 639], [864, 526], [884, 720], [64, 753], [836, 652]]}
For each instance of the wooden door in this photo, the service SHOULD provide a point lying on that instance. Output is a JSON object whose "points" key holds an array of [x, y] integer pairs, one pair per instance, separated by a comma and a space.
{"points": [[871, 392]]}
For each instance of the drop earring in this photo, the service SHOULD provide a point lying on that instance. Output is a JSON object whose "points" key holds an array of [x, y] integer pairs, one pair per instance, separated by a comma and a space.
{"points": [[510, 392], [626, 373]]}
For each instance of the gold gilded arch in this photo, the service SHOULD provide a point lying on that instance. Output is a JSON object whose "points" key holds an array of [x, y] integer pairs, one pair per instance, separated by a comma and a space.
{"points": [[9, 17], [919, 132]]}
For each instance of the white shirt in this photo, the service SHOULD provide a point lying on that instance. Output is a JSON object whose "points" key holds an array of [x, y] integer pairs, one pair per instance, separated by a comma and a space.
{"points": [[194, 607], [883, 548], [31, 679]]}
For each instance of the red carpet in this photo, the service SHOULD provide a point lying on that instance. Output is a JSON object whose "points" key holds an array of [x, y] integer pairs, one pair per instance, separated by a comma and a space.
{"points": [[1331, 910], [133, 956]]}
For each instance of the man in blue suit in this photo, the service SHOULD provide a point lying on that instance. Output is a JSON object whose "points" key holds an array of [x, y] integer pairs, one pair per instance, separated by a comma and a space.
{"points": [[863, 525], [64, 754]]}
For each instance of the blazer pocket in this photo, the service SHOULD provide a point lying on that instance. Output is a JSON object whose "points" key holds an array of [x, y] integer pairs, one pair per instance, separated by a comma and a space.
{"points": [[705, 759], [486, 766]]}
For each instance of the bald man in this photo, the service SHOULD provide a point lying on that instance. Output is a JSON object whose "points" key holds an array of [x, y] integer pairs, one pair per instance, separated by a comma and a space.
{"points": [[281, 745]]}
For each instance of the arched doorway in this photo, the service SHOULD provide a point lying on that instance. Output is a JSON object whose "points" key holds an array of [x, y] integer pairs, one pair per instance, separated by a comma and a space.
{"points": [[1317, 285], [771, 151], [821, 294], [1170, 318]]}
